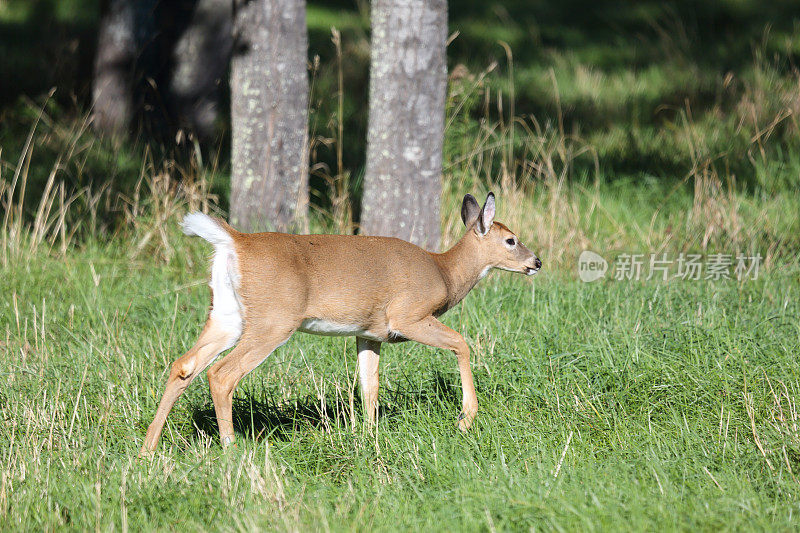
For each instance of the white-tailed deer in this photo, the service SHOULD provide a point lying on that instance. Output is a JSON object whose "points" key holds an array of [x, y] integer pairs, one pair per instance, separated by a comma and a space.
{"points": [[266, 286]]}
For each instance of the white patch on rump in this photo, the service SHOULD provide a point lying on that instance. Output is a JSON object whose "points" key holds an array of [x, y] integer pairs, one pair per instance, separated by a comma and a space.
{"points": [[319, 326], [226, 309]]}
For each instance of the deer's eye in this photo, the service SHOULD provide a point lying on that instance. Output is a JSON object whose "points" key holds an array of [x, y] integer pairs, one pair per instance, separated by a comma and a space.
{"points": [[510, 241]]}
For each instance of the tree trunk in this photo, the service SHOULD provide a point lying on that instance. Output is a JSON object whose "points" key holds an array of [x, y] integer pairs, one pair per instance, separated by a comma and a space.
{"points": [[112, 99], [269, 112], [408, 81], [200, 61], [127, 28]]}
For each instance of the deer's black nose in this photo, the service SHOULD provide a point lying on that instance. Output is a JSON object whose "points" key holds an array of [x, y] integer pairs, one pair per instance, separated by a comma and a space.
{"points": [[537, 263]]}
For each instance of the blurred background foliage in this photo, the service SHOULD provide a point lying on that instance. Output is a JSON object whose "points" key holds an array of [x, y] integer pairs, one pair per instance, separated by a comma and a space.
{"points": [[648, 92]]}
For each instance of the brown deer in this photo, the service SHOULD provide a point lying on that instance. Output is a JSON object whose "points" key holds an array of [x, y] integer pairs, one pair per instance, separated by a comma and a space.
{"points": [[266, 286]]}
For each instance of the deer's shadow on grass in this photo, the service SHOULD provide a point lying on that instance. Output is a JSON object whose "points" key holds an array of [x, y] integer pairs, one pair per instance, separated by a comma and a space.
{"points": [[262, 414]]}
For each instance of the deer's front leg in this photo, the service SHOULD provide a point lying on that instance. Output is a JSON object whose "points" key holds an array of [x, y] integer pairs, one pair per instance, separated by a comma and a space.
{"points": [[433, 333], [368, 358]]}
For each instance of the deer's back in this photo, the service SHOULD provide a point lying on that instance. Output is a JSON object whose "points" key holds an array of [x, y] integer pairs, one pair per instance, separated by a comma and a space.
{"points": [[347, 278]]}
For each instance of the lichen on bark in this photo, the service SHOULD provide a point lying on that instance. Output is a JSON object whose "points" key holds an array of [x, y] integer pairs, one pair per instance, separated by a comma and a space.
{"points": [[269, 112], [408, 78]]}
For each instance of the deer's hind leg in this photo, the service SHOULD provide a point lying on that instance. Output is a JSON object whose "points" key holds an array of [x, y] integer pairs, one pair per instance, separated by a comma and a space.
{"points": [[224, 376], [214, 339]]}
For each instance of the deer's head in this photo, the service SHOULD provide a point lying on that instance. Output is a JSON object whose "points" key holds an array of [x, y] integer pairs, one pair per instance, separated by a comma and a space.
{"points": [[498, 245]]}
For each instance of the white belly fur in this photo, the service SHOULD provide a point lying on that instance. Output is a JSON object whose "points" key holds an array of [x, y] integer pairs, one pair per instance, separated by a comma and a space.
{"points": [[318, 326]]}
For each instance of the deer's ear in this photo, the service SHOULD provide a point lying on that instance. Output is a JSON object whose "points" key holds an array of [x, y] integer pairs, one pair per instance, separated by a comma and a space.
{"points": [[486, 216], [469, 210]]}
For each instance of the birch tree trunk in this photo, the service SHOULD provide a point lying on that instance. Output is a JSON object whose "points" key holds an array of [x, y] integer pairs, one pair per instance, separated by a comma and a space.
{"points": [[126, 28], [269, 112], [200, 60], [408, 81], [112, 98]]}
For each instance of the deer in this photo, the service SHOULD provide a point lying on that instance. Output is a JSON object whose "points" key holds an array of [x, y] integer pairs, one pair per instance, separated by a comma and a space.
{"points": [[267, 286]]}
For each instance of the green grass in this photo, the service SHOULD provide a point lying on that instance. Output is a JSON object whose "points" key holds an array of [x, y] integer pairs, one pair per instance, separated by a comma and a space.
{"points": [[608, 405], [615, 405]]}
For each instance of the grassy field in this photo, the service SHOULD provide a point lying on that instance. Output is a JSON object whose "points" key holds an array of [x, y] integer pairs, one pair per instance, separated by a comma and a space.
{"points": [[669, 127], [607, 405]]}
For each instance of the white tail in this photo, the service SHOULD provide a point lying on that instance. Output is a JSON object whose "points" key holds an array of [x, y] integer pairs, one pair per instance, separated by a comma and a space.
{"points": [[267, 286], [226, 311], [207, 228]]}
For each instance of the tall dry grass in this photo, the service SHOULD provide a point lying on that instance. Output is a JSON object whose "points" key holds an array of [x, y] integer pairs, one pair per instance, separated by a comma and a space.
{"points": [[553, 191], [530, 166], [339, 217], [49, 223], [549, 181]]}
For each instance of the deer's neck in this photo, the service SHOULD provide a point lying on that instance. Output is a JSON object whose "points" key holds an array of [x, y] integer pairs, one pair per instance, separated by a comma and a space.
{"points": [[462, 267]]}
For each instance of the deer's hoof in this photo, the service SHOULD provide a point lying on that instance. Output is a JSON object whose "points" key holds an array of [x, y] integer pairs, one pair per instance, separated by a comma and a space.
{"points": [[464, 422], [146, 454]]}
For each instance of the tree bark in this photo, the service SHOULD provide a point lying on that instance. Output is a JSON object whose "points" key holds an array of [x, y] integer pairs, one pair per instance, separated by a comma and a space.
{"points": [[126, 30], [112, 99], [269, 112], [408, 81], [200, 61]]}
